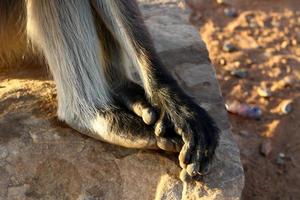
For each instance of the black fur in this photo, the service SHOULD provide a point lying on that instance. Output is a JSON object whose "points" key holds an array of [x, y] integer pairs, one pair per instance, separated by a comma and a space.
{"points": [[199, 132]]}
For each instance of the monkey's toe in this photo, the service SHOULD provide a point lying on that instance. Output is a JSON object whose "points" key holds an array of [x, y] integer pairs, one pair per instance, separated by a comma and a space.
{"points": [[133, 97], [145, 111], [149, 115]]}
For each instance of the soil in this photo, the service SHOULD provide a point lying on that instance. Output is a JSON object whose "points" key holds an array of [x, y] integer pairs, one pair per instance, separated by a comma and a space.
{"points": [[265, 35]]}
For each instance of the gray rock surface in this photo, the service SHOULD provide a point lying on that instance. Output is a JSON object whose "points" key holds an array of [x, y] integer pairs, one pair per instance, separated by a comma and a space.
{"points": [[41, 158]]}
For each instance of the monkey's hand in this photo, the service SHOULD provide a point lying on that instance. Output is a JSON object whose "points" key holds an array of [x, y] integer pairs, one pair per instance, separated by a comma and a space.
{"points": [[197, 129]]}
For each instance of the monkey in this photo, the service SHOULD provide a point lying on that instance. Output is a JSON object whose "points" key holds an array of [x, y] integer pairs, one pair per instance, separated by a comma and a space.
{"points": [[89, 47]]}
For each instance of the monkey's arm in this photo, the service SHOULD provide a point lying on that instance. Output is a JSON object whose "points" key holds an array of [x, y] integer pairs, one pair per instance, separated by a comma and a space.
{"points": [[198, 130]]}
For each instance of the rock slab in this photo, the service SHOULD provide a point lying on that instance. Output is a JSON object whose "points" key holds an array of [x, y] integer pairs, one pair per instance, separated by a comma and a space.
{"points": [[41, 158]]}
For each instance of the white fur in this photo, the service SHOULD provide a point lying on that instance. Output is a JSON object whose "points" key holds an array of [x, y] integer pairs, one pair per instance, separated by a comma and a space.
{"points": [[101, 129], [110, 9], [65, 31]]}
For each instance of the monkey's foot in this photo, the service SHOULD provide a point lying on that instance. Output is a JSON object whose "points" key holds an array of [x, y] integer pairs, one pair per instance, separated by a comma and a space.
{"points": [[133, 97], [197, 129], [118, 125]]}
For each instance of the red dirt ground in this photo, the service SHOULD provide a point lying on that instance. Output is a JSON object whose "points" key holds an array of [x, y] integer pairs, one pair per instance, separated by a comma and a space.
{"points": [[266, 34]]}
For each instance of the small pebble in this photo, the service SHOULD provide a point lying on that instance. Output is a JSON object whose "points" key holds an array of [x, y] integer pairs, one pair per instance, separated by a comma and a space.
{"points": [[237, 63], [229, 47], [263, 92], [294, 42], [3, 152], [230, 12], [255, 113], [220, 37], [281, 155], [280, 159], [284, 44], [253, 25], [222, 61], [240, 73], [284, 61], [226, 78], [221, 2], [286, 107], [266, 148], [244, 133], [224, 2], [248, 62], [288, 81], [268, 23]]}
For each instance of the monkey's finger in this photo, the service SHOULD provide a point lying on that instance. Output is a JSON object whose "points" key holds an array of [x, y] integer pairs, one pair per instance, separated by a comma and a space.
{"points": [[178, 130], [207, 157], [169, 144], [184, 176], [193, 168], [188, 148], [185, 155], [198, 164]]}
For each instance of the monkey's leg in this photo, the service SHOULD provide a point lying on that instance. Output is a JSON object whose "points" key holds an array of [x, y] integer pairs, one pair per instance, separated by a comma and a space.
{"points": [[125, 91], [65, 32], [198, 130]]}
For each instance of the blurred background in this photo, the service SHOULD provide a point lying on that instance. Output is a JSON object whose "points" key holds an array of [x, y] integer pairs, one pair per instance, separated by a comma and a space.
{"points": [[255, 48]]}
